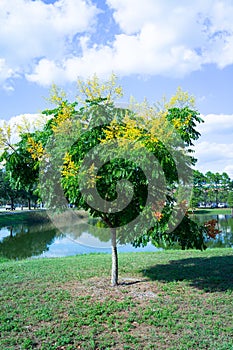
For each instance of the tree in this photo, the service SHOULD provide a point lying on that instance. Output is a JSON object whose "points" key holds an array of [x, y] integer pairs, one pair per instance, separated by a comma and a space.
{"points": [[211, 187], [129, 167], [230, 201], [7, 191], [199, 189], [218, 186], [225, 183], [22, 169]]}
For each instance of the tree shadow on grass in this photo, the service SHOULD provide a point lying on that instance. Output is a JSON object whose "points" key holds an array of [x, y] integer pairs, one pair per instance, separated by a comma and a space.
{"points": [[214, 274]]}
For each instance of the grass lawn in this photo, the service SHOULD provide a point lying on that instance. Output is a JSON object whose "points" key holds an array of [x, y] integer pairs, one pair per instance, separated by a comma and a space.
{"points": [[35, 216], [216, 211], [165, 300], [17, 217]]}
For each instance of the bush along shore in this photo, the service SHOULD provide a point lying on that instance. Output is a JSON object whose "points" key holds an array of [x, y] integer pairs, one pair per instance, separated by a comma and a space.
{"points": [[165, 300]]}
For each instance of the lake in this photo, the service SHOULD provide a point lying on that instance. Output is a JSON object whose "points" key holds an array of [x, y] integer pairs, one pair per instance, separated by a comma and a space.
{"points": [[35, 239], [225, 224], [32, 239]]}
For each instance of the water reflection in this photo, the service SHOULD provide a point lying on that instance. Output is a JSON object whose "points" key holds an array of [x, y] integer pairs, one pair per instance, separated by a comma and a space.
{"points": [[43, 239], [24, 241], [224, 224], [33, 239]]}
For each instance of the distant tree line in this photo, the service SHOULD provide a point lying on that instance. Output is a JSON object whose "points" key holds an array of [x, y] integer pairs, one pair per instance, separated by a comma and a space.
{"points": [[212, 189], [12, 193]]}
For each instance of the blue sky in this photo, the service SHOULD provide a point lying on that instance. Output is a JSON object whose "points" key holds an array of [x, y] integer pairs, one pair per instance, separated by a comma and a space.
{"points": [[153, 46]]}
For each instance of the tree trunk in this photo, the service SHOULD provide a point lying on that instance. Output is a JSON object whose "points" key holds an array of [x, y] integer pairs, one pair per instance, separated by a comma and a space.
{"points": [[29, 203], [114, 259], [12, 203]]}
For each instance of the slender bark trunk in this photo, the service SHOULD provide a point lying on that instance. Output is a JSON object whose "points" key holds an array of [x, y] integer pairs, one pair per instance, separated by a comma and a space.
{"points": [[114, 259], [29, 203], [12, 204]]}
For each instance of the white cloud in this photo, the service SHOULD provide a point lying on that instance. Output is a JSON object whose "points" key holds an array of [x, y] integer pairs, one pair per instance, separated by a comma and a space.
{"points": [[216, 127], [58, 42], [47, 72], [214, 149], [5, 71], [128, 55], [229, 170], [31, 30], [165, 14]]}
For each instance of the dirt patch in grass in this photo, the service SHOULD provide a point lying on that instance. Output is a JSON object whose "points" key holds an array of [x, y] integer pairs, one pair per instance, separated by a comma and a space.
{"points": [[99, 289]]}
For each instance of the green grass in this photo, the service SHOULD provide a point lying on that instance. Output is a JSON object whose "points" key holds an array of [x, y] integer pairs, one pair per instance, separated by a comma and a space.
{"points": [[37, 216], [216, 211], [165, 300], [17, 217]]}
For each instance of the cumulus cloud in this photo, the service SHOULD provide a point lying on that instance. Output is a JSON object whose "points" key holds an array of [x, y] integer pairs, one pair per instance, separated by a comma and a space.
{"points": [[33, 30], [5, 71], [58, 42], [214, 149]]}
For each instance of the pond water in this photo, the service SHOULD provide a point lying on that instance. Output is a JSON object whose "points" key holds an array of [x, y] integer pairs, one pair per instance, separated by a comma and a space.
{"points": [[44, 239], [225, 224]]}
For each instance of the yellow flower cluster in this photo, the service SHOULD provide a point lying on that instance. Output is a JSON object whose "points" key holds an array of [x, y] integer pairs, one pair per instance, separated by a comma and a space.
{"points": [[93, 88], [131, 131], [5, 135], [112, 131], [69, 166], [127, 131], [92, 177], [181, 98], [57, 95], [188, 119], [62, 117], [35, 148], [178, 123]]}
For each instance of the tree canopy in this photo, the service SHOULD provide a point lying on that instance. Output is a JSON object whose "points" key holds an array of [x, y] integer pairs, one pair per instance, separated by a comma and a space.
{"points": [[129, 167]]}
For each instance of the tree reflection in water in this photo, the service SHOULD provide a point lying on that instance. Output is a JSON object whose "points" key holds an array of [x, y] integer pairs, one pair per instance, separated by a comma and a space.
{"points": [[28, 240], [224, 224]]}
